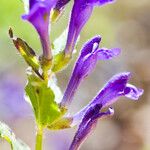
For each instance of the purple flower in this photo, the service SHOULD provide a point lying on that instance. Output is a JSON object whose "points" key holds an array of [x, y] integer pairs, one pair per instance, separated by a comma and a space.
{"points": [[117, 86], [87, 125], [86, 62], [88, 117], [38, 16], [81, 11]]}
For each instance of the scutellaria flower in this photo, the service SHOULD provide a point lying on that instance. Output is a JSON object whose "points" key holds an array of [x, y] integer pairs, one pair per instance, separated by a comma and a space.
{"points": [[39, 17], [88, 117], [116, 87], [81, 11], [86, 62], [88, 124]]}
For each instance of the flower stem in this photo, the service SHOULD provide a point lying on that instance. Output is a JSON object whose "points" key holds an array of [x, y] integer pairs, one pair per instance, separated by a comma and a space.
{"points": [[39, 139]]}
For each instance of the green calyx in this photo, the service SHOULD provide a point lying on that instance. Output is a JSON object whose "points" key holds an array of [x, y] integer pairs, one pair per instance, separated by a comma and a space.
{"points": [[46, 65], [60, 62], [60, 124]]}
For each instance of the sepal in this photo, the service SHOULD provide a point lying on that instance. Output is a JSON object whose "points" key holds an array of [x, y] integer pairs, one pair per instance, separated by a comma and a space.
{"points": [[62, 123], [60, 62]]}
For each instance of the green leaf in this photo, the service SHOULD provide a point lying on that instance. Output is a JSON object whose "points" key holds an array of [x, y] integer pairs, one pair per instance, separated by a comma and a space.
{"points": [[42, 98], [7, 134], [27, 53]]}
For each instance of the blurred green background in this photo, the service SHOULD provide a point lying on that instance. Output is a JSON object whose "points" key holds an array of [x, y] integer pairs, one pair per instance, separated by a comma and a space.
{"points": [[124, 24]]}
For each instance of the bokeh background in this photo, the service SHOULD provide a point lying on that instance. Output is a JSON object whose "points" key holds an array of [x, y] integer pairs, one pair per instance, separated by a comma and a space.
{"points": [[125, 24]]}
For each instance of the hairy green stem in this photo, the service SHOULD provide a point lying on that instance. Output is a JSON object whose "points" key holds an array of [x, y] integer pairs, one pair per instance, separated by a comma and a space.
{"points": [[39, 139]]}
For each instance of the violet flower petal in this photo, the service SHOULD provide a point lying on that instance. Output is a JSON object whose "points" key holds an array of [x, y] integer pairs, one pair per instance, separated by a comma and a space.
{"points": [[38, 16], [117, 86], [81, 12], [85, 64], [88, 124], [132, 92]]}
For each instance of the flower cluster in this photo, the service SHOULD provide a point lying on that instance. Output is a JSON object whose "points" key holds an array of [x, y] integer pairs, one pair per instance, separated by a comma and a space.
{"points": [[42, 91]]}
